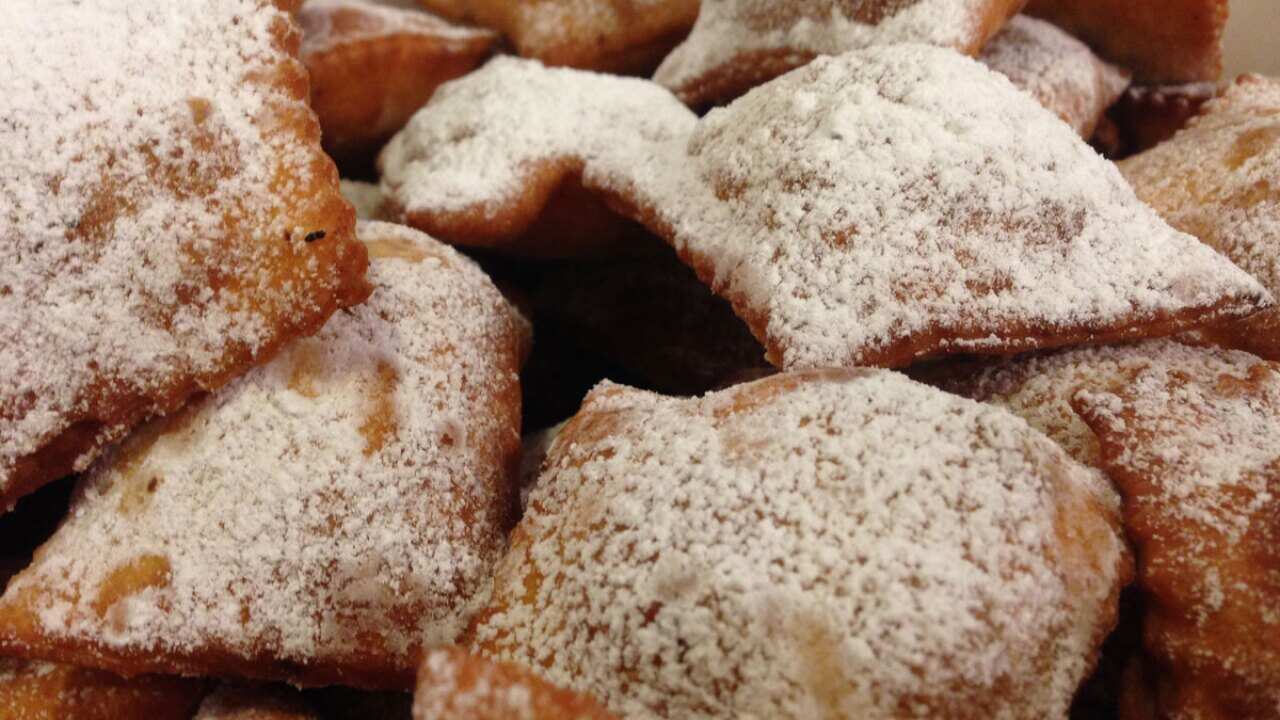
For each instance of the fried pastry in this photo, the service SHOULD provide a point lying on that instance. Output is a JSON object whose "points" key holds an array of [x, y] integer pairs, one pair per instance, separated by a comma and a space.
{"points": [[320, 520], [839, 543], [366, 198], [455, 685], [1219, 179], [1147, 115], [497, 159], [1058, 70], [739, 44], [1193, 443], [616, 36], [46, 691], [904, 202], [168, 217], [1164, 42], [373, 66]]}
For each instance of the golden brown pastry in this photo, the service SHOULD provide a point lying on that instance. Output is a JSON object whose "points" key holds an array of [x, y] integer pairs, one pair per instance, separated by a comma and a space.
{"points": [[1164, 42], [456, 685], [815, 544], [46, 691], [1219, 179], [372, 67], [739, 44], [169, 218], [320, 520]]}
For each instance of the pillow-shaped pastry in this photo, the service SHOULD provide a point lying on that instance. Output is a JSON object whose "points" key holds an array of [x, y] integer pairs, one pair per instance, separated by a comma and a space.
{"points": [[496, 159], [1161, 41], [617, 36], [455, 685], [47, 691], [841, 543], [320, 520], [1192, 441], [1058, 70], [1219, 179], [373, 66], [168, 217], [739, 44], [904, 202]]}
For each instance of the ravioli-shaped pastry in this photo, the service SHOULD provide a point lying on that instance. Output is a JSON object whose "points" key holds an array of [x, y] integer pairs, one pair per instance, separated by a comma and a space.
{"points": [[1219, 179], [616, 36], [320, 520], [167, 219], [839, 543], [47, 691], [1161, 41], [372, 67], [739, 44], [1193, 443], [1058, 70], [455, 685], [903, 202], [496, 159]]}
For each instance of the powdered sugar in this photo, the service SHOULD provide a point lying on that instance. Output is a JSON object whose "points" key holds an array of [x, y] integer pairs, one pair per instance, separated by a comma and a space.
{"points": [[471, 149], [340, 507], [904, 201], [454, 685], [156, 198], [366, 198], [1057, 70], [839, 543], [365, 20]]}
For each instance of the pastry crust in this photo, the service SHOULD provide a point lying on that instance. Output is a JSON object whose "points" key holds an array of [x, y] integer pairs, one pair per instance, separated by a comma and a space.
{"points": [[808, 545], [615, 36], [318, 521], [45, 691], [149, 261], [1219, 179], [373, 66], [1164, 42], [456, 685], [739, 44]]}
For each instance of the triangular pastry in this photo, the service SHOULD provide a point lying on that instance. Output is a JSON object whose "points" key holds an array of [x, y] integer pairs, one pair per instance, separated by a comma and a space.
{"points": [[837, 543], [167, 218], [321, 519]]}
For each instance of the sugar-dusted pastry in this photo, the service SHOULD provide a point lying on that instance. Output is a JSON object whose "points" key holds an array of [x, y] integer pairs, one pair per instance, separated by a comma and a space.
{"points": [[1161, 41], [233, 702], [903, 202], [47, 691], [366, 198], [1192, 441], [618, 36], [1219, 179], [1058, 70], [321, 519], [739, 44], [456, 685], [839, 543], [167, 218], [497, 159], [372, 66], [1147, 115]]}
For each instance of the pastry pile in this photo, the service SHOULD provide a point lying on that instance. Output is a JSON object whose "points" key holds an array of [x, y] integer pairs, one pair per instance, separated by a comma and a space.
{"points": [[637, 360]]}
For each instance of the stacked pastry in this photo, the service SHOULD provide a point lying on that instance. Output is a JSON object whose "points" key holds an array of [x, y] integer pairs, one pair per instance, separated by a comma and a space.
{"points": [[831, 372]]}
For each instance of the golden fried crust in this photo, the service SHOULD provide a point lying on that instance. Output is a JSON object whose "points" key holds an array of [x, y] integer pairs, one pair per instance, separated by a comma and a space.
{"points": [[372, 67], [1161, 41], [263, 290], [1219, 179], [617, 36], [45, 691], [1193, 450], [456, 685]]}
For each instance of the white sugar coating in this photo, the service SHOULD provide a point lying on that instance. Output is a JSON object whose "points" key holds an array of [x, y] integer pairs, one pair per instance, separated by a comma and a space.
{"points": [[350, 496], [1058, 70], [365, 197], [369, 20], [142, 107], [454, 685], [471, 148], [906, 196], [1219, 178], [819, 544], [728, 29]]}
